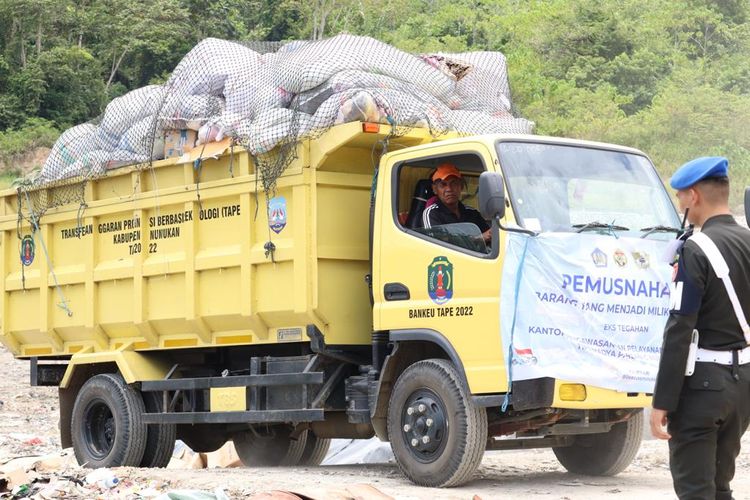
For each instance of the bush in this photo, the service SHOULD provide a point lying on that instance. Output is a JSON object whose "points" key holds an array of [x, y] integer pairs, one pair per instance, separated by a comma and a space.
{"points": [[34, 133]]}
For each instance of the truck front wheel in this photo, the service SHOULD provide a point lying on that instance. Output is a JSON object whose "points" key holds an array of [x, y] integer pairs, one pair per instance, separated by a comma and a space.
{"points": [[438, 435], [266, 450], [605, 454], [107, 426]]}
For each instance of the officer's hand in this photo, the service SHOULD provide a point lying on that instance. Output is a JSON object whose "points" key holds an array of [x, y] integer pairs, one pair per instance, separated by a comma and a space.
{"points": [[659, 424]]}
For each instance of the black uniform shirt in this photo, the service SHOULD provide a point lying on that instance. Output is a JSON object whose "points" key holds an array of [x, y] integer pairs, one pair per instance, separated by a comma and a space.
{"points": [[438, 214], [703, 304]]}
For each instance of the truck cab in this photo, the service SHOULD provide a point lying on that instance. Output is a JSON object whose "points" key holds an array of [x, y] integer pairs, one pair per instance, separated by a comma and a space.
{"points": [[439, 291]]}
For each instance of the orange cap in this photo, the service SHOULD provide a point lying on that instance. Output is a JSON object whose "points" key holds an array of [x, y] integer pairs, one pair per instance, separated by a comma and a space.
{"points": [[444, 171]]}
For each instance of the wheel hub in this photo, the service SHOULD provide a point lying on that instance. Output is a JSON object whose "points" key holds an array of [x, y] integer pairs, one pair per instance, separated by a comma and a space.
{"points": [[424, 425], [99, 429]]}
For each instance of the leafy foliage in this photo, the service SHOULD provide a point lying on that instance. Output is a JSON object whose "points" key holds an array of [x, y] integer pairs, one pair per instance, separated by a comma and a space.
{"points": [[671, 77], [36, 132]]}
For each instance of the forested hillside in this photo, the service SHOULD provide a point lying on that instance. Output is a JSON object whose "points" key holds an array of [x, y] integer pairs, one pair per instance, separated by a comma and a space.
{"points": [[671, 77]]}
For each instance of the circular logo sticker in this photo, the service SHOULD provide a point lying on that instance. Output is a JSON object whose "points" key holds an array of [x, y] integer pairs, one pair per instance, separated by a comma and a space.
{"points": [[27, 250], [440, 280], [620, 258]]}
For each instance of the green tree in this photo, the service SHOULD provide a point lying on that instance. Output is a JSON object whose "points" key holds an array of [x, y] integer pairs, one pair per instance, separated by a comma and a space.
{"points": [[139, 32], [11, 113], [74, 91], [32, 24], [219, 18], [29, 86], [11, 110]]}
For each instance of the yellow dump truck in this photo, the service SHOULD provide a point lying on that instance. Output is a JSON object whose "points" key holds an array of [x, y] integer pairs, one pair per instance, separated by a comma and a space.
{"points": [[183, 302]]}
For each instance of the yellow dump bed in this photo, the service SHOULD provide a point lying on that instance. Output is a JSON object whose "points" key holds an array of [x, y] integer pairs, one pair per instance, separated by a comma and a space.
{"points": [[176, 256]]}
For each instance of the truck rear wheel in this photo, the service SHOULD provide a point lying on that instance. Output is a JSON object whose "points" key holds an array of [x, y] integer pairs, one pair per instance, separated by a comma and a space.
{"points": [[604, 454], [107, 426], [275, 448], [160, 438], [438, 435], [315, 450]]}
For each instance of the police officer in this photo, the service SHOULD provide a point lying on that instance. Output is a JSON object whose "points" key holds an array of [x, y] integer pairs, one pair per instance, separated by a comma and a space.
{"points": [[706, 413]]}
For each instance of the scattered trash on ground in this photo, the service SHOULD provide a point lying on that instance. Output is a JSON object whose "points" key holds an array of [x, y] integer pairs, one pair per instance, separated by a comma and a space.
{"points": [[58, 476]]}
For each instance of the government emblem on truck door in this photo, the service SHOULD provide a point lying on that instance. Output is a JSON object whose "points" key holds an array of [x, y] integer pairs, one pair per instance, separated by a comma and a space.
{"points": [[277, 214], [27, 250], [440, 280]]}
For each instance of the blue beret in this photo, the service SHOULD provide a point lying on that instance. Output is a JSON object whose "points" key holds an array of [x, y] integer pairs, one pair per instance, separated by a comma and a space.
{"points": [[699, 169]]}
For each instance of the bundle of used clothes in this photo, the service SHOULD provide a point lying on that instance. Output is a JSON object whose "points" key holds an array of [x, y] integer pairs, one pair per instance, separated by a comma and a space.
{"points": [[223, 88]]}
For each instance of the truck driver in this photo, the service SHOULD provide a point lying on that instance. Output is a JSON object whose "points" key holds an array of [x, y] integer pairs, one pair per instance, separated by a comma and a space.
{"points": [[447, 184]]}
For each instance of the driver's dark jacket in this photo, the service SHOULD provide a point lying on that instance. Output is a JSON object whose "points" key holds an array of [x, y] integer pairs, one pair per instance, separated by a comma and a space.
{"points": [[438, 214]]}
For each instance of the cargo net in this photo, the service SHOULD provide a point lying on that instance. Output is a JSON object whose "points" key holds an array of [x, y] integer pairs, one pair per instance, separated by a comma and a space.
{"points": [[268, 96]]}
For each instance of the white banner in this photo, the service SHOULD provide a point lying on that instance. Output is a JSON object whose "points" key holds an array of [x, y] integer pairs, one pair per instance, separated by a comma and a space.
{"points": [[587, 308]]}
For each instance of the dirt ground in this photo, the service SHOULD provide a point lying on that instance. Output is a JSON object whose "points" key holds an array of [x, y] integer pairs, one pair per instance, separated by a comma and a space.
{"points": [[28, 427]]}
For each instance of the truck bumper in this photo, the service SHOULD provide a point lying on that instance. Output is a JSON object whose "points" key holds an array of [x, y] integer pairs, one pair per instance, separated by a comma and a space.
{"points": [[553, 393]]}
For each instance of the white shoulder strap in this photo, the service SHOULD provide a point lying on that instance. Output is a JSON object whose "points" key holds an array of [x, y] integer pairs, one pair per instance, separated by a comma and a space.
{"points": [[722, 271]]}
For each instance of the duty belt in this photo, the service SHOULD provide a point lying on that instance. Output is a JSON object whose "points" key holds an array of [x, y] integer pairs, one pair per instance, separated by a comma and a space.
{"points": [[723, 357]]}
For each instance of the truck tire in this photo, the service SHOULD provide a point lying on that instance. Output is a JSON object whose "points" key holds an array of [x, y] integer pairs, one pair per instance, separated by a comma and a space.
{"points": [[604, 454], [277, 448], [315, 450], [160, 438], [438, 435], [202, 438], [107, 426]]}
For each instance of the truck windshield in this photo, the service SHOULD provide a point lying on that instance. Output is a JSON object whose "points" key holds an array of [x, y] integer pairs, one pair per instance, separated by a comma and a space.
{"points": [[556, 187]]}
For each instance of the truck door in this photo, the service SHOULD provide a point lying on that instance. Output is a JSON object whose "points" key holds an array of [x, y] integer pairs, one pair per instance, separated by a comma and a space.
{"points": [[438, 284]]}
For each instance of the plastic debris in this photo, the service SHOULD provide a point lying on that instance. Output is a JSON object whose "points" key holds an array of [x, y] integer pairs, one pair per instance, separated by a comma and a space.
{"points": [[21, 491], [358, 451], [102, 477]]}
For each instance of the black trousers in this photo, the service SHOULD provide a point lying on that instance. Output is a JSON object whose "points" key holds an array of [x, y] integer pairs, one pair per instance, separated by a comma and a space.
{"points": [[706, 428]]}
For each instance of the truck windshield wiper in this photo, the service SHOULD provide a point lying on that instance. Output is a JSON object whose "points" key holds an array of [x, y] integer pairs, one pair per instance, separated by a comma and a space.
{"points": [[659, 229], [598, 225]]}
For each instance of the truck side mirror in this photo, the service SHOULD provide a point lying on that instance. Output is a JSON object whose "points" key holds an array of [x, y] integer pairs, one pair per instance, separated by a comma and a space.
{"points": [[492, 195], [747, 206]]}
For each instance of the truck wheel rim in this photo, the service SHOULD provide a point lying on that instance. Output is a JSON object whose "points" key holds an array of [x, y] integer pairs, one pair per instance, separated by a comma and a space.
{"points": [[99, 429], [424, 425]]}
